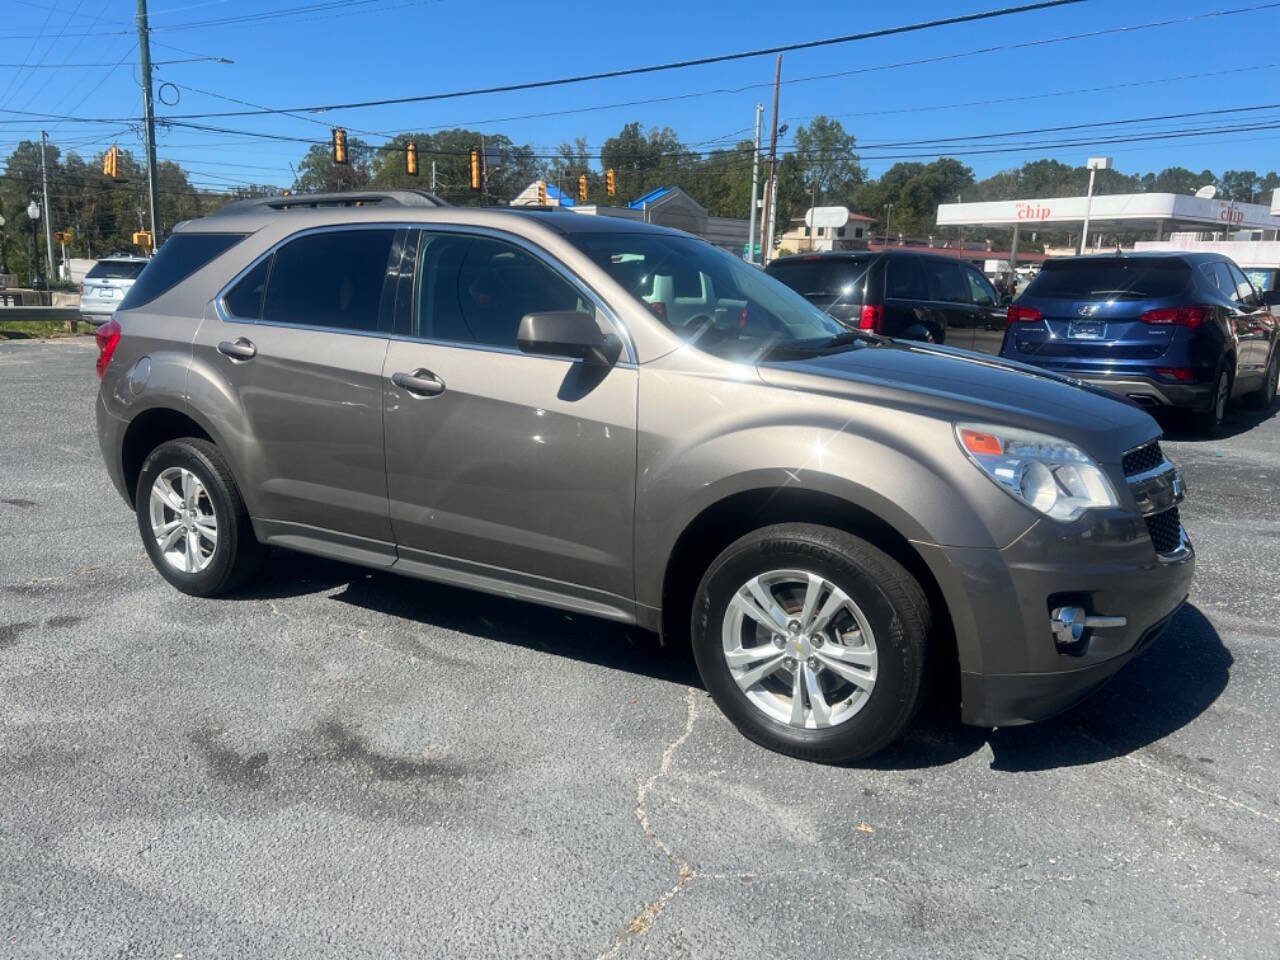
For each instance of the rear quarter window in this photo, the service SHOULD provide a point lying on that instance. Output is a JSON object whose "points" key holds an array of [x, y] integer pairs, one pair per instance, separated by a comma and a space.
{"points": [[1119, 278], [182, 255], [826, 277]]}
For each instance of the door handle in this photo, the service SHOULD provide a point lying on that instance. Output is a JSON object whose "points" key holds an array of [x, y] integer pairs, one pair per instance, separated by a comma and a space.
{"points": [[420, 383], [241, 348]]}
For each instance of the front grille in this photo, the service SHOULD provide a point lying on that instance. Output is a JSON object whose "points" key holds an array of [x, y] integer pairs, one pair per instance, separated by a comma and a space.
{"points": [[1166, 530], [1144, 458]]}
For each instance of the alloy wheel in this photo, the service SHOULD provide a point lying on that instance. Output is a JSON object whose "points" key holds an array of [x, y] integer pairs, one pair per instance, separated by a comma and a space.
{"points": [[799, 648], [183, 520]]}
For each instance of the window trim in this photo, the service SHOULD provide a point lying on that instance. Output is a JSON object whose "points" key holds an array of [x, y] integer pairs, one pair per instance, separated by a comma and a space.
{"points": [[395, 333], [539, 254]]}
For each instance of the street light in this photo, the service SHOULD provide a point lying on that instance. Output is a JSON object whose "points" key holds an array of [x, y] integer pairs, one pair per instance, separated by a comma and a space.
{"points": [[1094, 164], [33, 216]]}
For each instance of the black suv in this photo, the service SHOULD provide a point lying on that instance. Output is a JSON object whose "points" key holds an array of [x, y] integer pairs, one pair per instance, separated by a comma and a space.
{"points": [[901, 293]]}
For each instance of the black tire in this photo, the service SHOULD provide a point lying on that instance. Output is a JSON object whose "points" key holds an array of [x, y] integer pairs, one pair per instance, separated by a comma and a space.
{"points": [[892, 602], [1208, 422], [1265, 395], [237, 555]]}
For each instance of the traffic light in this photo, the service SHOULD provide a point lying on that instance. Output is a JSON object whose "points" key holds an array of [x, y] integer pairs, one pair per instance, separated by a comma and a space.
{"points": [[339, 145], [477, 171], [111, 163], [610, 182], [582, 188], [143, 239], [542, 193], [411, 158]]}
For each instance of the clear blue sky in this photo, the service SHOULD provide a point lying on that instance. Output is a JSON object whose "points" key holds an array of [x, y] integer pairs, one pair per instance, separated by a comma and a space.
{"points": [[392, 48]]}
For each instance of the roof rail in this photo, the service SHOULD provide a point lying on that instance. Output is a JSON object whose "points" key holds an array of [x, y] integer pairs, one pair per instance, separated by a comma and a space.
{"points": [[354, 198]]}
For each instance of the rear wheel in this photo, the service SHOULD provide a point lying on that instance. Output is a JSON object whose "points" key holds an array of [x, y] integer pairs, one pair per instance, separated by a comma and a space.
{"points": [[812, 641], [192, 520], [1265, 395], [1209, 421]]}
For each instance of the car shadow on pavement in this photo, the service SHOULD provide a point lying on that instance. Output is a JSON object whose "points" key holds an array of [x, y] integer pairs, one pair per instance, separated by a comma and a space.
{"points": [[1163, 690], [501, 619], [1158, 693], [1238, 420]]}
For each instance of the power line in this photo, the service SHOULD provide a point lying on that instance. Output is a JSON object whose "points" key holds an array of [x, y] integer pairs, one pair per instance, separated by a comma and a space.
{"points": [[652, 68]]}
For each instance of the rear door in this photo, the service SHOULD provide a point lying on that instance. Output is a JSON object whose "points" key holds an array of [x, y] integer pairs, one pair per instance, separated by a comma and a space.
{"points": [[300, 341], [1255, 322], [990, 318]]}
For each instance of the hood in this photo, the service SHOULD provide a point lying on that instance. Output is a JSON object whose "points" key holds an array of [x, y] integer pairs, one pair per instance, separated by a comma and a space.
{"points": [[958, 385]]}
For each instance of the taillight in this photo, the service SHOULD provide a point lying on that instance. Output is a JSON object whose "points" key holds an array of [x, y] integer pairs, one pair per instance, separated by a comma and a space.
{"points": [[871, 318], [1177, 316], [108, 337], [1019, 314]]}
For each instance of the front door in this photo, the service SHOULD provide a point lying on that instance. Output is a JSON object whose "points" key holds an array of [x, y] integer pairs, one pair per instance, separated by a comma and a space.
{"points": [[502, 466], [300, 341], [990, 317]]}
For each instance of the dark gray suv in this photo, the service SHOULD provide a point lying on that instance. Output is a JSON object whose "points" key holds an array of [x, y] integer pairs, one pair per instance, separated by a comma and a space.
{"points": [[624, 421]]}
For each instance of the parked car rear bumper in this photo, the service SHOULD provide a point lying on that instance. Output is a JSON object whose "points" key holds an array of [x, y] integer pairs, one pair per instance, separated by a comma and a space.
{"points": [[98, 313], [1152, 391]]}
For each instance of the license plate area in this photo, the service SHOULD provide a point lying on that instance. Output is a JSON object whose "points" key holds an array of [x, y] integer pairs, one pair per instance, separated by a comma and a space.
{"points": [[1086, 330]]}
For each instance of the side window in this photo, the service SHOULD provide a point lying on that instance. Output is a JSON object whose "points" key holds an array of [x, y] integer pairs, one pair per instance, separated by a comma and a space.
{"points": [[1245, 293], [980, 289], [1211, 276], [181, 256], [245, 298], [476, 290], [332, 279], [904, 280], [945, 282]]}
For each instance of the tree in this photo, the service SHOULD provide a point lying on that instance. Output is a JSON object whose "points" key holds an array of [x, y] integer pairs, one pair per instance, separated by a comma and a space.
{"points": [[827, 160], [643, 161], [317, 173], [1241, 186]]}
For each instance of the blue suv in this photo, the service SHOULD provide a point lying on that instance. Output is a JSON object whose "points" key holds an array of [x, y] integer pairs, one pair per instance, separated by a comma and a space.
{"points": [[1183, 330]]}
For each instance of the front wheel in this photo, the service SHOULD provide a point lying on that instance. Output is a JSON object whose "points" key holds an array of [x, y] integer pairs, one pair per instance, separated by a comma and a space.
{"points": [[192, 520], [812, 641]]}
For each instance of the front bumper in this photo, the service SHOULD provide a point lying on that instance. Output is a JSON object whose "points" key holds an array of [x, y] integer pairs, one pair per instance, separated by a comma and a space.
{"points": [[1012, 671]]}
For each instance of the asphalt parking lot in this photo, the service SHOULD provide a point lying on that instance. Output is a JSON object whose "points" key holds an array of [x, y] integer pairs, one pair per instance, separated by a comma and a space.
{"points": [[346, 764]]}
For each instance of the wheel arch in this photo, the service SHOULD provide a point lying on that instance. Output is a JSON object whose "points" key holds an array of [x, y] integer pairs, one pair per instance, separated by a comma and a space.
{"points": [[724, 521], [146, 431]]}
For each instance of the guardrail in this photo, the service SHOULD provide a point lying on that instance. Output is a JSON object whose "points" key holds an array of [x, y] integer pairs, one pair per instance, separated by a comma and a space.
{"points": [[68, 315]]}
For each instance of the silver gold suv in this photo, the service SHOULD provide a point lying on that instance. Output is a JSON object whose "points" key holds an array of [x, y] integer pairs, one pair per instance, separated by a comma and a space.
{"points": [[624, 421]]}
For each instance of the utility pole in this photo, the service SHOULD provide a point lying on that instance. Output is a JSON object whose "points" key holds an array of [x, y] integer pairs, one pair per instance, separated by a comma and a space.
{"points": [[433, 176], [755, 189], [771, 184], [48, 222], [149, 116]]}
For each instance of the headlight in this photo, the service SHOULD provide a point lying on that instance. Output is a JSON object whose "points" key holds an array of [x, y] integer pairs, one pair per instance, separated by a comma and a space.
{"points": [[1049, 475]]}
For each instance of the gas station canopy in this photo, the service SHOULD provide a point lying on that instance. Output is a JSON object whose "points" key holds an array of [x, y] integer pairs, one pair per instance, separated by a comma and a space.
{"points": [[1161, 212]]}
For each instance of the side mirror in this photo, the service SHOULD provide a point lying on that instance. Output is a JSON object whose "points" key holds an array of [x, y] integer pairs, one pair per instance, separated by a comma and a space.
{"points": [[568, 333], [1271, 298]]}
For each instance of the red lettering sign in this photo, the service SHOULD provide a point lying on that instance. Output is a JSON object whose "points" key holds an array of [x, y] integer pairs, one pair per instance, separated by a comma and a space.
{"points": [[1032, 211]]}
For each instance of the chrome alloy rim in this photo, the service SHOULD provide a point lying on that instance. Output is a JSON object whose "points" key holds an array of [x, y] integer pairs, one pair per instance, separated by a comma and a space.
{"points": [[183, 520], [800, 649]]}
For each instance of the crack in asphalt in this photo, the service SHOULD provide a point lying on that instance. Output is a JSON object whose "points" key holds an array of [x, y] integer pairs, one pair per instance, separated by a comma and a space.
{"points": [[643, 920]]}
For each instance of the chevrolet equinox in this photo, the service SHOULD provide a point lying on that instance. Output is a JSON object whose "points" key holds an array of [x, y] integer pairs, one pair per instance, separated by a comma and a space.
{"points": [[624, 421]]}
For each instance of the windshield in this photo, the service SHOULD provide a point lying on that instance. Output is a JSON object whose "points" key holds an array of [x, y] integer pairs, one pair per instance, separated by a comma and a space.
{"points": [[1121, 278], [710, 298]]}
